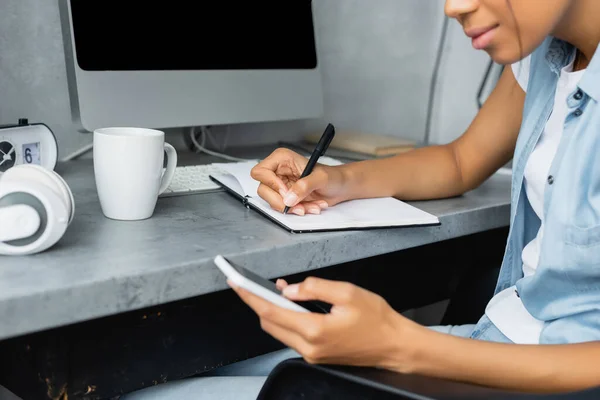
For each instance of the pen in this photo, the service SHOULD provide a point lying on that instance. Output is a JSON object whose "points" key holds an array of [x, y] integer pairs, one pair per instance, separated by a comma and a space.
{"points": [[321, 148]]}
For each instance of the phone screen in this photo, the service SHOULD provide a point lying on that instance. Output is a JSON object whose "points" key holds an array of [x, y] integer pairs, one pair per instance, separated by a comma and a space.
{"points": [[313, 306]]}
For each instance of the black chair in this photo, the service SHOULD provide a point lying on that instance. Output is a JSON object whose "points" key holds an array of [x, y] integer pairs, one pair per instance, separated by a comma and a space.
{"points": [[297, 380]]}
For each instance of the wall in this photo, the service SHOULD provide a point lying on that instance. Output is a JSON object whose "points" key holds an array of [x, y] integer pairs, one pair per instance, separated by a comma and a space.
{"points": [[463, 70], [377, 63], [32, 69]]}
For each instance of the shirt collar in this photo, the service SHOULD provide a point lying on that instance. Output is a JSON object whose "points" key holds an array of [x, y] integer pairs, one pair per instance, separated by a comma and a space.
{"points": [[590, 81], [559, 54]]}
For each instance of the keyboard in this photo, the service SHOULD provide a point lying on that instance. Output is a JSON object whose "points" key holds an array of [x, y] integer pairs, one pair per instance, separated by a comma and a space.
{"points": [[195, 179]]}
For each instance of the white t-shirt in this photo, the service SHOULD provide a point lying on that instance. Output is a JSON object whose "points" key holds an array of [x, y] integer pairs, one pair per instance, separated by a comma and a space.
{"points": [[506, 310]]}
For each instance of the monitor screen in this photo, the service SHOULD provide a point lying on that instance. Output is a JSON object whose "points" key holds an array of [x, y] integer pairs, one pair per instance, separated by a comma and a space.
{"points": [[135, 35]]}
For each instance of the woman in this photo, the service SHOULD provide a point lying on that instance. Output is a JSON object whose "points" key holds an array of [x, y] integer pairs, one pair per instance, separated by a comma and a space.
{"points": [[544, 115]]}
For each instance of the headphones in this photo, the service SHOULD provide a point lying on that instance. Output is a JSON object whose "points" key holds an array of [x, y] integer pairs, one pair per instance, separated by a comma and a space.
{"points": [[36, 207]]}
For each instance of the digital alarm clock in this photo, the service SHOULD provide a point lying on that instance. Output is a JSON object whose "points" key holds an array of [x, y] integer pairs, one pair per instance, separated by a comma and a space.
{"points": [[26, 143]]}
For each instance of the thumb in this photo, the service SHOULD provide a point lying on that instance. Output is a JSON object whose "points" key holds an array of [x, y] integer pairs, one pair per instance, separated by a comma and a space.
{"points": [[332, 292], [304, 187]]}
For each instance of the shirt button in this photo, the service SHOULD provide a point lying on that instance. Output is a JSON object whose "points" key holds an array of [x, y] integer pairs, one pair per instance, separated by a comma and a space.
{"points": [[578, 113], [578, 95], [550, 180]]}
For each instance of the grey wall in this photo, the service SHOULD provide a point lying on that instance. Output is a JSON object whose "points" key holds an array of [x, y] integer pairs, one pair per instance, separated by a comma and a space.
{"points": [[32, 68], [462, 72], [377, 58]]}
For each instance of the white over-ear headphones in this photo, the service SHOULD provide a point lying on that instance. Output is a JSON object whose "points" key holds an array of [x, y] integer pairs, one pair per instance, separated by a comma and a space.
{"points": [[36, 207]]}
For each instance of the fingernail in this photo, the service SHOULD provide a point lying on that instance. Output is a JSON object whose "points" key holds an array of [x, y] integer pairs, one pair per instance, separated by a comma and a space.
{"points": [[290, 199], [323, 204], [298, 211], [314, 210], [282, 192], [290, 290]]}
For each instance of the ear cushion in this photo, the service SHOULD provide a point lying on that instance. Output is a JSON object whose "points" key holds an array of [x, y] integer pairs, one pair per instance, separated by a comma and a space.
{"points": [[51, 209], [32, 201], [41, 175]]}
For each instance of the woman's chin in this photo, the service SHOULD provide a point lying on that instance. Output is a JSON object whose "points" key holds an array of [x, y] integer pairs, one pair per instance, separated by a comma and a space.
{"points": [[503, 56]]}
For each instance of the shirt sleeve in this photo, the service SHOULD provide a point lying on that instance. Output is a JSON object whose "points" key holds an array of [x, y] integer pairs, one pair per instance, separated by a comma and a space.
{"points": [[521, 71]]}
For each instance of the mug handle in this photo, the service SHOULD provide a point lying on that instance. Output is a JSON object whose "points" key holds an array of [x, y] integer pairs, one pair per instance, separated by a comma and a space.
{"points": [[170, 170]]}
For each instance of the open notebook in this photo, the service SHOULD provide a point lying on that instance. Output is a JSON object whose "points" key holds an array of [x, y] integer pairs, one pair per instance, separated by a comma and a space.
{"points": [[350, 215]]}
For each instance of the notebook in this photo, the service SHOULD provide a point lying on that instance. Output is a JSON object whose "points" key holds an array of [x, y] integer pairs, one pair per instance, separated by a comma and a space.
{"points": [[350, 215]]}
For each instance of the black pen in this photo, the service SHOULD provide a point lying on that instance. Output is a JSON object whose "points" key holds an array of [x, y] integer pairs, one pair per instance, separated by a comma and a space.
{"points": [[321, 148]]}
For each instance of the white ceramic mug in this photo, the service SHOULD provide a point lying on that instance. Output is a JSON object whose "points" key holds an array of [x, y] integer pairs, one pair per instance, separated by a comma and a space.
{"points": [[128, 167]]}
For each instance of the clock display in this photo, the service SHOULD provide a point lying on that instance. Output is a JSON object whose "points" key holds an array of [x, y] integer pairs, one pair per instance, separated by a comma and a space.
{"points": [[7, 156], [31, 153]]}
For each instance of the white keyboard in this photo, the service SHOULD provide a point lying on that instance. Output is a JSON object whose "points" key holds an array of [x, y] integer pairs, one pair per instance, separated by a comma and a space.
{"points": [[195, 179], [192, 179]]}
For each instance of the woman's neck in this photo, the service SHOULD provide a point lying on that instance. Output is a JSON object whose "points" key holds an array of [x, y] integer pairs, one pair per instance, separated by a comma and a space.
{"points": [[580, 26]]}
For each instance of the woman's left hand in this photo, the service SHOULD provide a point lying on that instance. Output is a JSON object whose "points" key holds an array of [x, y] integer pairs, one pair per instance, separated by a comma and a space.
{"points": [[361, 329]]}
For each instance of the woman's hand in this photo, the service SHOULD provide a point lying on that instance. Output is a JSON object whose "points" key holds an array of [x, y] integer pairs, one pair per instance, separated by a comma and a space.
{"points": [[280, 183], [361, 330]]}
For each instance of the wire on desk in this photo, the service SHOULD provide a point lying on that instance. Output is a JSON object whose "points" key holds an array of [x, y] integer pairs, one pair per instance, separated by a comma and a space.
{"points": [[201, 145], [78, 153], [434, 79]]}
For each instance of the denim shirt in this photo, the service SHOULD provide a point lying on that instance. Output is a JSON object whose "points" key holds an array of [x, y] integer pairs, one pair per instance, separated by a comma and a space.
{"points": [[565, 290]]}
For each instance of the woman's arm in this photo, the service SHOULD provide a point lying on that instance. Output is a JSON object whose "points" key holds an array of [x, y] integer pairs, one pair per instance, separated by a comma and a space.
{"points": [[426, 173], [534, 368], [363, 330], [452, 169]]}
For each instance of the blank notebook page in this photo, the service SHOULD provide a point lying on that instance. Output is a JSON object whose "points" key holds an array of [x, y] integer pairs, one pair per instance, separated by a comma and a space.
{"points": [[353, 214], [241, 172], [364, 213]]}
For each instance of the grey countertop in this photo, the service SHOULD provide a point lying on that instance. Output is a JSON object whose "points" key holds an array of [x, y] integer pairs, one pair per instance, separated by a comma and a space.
{"points": [[103, 267]]}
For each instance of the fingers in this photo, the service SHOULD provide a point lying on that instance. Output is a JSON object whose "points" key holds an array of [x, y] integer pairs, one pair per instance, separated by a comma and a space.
{"points": [[332, 292], [264, 172], [273, 172], [281, 284], [315, 207], [272, 197], [302, 188], [275, 200], [268, 177], [309, 207], [304, 324], [278, 161]]}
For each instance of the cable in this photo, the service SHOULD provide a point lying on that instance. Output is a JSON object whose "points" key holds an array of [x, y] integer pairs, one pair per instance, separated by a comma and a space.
{"points": [[78, 153], [200, 146], [210, 139], [434, 79]]}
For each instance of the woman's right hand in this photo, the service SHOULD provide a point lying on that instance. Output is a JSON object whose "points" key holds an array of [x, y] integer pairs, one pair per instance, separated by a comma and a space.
{"points": [[281, 186]]}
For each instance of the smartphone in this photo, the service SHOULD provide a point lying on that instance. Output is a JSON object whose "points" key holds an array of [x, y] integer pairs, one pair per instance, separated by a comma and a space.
{"points": [[265, 288]]}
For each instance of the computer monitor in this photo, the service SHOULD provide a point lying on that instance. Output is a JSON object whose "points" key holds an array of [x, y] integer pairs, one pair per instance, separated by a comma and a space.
{"points": [[177, 63]]}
